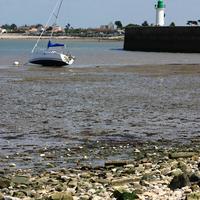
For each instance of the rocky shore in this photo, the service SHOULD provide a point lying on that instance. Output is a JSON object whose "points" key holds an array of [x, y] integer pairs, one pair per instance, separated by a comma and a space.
{"points": [[154, 174]]}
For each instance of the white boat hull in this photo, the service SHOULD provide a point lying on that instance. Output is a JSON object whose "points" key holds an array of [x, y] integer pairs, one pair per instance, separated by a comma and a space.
{"points": [[51, 58]]}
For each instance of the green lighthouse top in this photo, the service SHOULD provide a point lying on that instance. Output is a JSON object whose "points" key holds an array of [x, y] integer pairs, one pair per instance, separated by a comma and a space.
{"points": [[160, 4]]}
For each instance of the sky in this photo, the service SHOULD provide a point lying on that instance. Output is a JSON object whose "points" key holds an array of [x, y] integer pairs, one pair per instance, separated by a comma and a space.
{"points": [[93, 13]]}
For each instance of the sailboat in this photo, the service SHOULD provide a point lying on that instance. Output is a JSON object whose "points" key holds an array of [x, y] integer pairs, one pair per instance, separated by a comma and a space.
{"points": [[54, 54]]}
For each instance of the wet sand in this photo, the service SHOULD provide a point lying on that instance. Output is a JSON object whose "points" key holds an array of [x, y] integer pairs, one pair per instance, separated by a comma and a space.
{"points": [[67, 116]]}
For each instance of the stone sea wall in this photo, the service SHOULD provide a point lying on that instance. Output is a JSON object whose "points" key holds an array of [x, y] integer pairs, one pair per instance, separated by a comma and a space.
{"points": [[163, 39]]}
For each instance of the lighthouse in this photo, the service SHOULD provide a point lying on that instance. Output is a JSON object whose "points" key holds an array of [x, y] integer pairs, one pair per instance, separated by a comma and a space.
{"points": [[160, 13]]}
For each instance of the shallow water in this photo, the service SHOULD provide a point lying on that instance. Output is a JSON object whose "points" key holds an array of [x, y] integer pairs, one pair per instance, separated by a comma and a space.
{"points": [[93, 54]]}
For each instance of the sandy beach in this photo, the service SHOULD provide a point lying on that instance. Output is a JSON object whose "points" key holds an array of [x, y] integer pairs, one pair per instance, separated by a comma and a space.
{"points": [[128, 132], [14, 36]]}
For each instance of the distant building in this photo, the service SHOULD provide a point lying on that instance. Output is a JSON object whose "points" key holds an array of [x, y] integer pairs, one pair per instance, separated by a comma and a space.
{"points": [[40, 28], [109, 27], [24, 28], [104, 27], [33, 30], [121, 32], [58, 29]]}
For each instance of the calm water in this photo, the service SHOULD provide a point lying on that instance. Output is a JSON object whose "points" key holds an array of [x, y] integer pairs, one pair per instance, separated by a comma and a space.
{"points": [[94, 54]]}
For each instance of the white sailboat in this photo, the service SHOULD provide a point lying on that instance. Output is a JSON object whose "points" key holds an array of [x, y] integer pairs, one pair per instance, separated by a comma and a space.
{"points": [[54, 54]]}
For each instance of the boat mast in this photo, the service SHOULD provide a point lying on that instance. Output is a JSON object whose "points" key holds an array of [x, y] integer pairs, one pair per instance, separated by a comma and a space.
{"points": [[58, 5], [56, 17]]}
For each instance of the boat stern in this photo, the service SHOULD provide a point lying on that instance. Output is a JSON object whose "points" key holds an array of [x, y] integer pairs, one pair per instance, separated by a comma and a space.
{"points": [[68, 59]]}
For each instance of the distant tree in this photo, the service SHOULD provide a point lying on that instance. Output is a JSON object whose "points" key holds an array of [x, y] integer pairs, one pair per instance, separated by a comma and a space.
{"points": [[38, 25], [67, 26], [5, 26], [13, 27], [145, 23], [193, 23], [172, 24], [50, 28], [118, 24]]}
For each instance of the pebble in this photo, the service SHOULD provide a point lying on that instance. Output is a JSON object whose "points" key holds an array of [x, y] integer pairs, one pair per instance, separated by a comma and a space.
{"points": [[12, 165]]}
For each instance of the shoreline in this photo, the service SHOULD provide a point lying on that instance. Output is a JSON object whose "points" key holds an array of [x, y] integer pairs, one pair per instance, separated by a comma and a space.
{"points": [[27, 37], [154, 173]]}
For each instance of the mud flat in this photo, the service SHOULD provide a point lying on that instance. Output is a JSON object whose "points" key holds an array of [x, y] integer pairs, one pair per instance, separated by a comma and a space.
{"points": [[100, 132]]}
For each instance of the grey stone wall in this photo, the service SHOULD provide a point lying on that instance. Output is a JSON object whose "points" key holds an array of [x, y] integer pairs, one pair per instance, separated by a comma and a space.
{"points": [[163, 39]]}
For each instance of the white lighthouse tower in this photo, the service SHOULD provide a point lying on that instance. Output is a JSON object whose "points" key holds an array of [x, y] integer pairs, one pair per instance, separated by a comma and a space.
{"points": [[160, 13]]}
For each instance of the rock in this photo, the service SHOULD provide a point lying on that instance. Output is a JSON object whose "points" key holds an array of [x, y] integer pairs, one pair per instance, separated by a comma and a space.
{"points": [[177, 155], [150, 176], [85, 175], [1, 196], [140, 168], [199, 166], [19, 194], [181, 165], [179, 182], [137, 151], [195, 188], [123, 181], [73, 183], [130, 166], [33, 194], [148, 165], [11, 198], [118, 163], [2, 172], [144, 183], [176, 172], [50, 165], [4, 182], [97, 198], [59, 188], [137, 186], [195, 177], [187, 190], [21, 180], [65, 178], [61, 196], [165, 171], [84, 197], [12, 165], [193, 196]]}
